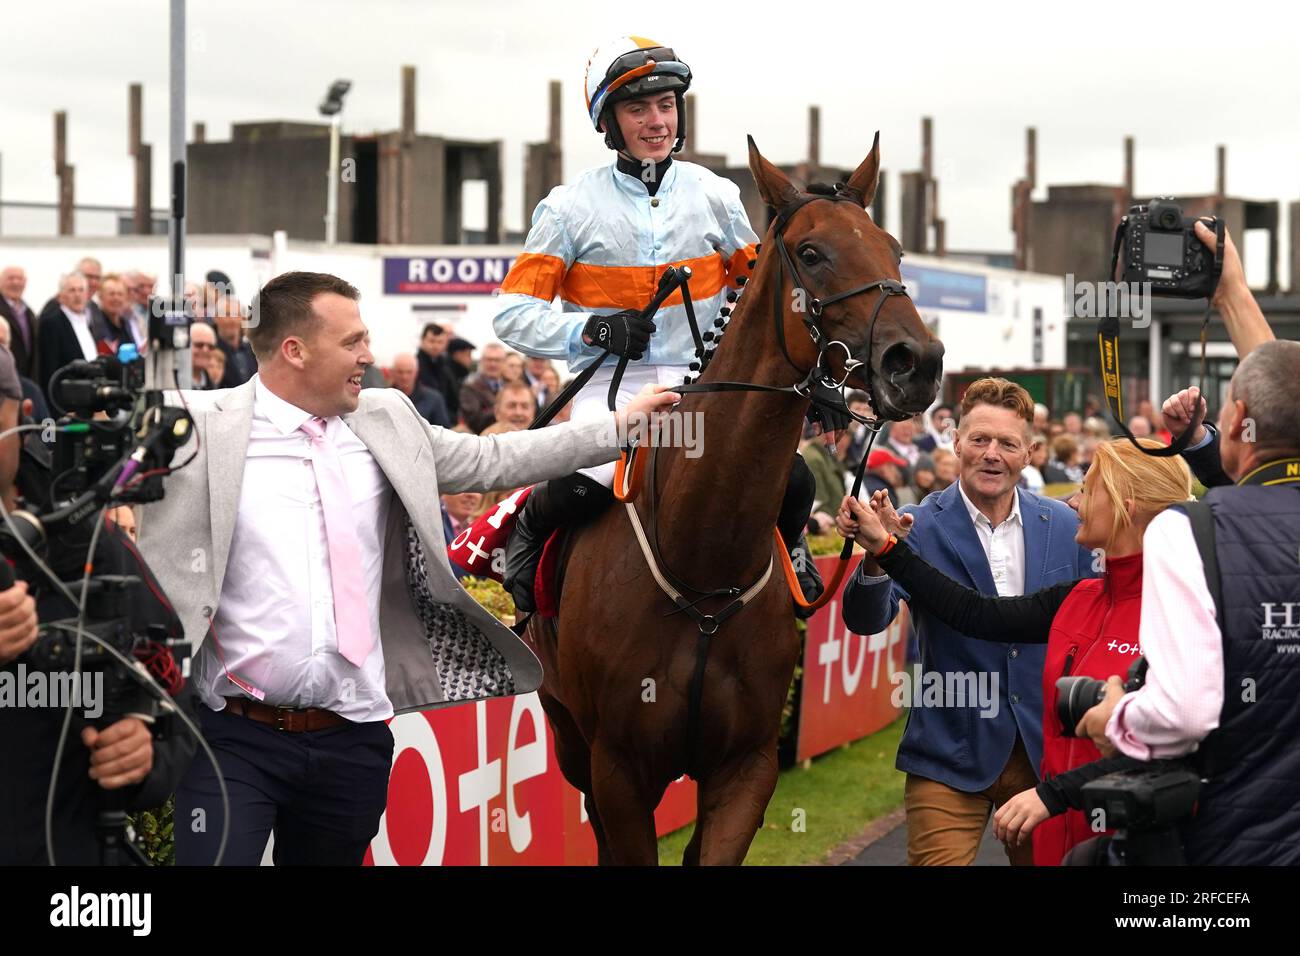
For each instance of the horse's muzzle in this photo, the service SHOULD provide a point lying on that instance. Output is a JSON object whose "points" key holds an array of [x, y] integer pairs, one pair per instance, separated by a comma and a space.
{"points": [[908, 377]]}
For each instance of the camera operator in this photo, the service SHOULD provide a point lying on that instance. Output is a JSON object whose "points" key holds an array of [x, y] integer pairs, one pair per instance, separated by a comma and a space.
{"points": [[1223, 683], [114, 763]]}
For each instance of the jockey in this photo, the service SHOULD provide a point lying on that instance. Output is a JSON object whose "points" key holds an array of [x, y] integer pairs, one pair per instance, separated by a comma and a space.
{"points": [[600, 245]]}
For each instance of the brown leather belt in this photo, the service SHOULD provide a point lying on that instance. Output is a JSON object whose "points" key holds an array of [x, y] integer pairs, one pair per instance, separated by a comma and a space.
{"points": [[294, 720]]}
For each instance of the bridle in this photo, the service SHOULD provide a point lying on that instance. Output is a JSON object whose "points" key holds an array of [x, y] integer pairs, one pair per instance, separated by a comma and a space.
{"points": [[819, 374], [819, 385]]}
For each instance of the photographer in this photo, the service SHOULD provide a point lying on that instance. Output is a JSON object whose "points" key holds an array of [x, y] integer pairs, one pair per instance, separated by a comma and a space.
{"points": [[1223, 649], [113, 762]]}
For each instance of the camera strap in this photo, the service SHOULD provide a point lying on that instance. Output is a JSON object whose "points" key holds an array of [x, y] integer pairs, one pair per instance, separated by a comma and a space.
{"points": [[1202, 521], [1108, 349]]}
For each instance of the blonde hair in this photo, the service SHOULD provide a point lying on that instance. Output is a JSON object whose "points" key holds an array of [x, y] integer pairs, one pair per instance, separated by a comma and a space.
{"points": [[1123, 472]]}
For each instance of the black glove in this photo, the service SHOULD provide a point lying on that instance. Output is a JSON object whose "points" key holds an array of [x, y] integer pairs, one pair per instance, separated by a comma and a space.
{"points": [[830, 419], [625, 333]]}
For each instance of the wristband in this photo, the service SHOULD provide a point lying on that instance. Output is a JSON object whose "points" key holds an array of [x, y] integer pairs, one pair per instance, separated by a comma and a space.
{"points": [[893, 540]]}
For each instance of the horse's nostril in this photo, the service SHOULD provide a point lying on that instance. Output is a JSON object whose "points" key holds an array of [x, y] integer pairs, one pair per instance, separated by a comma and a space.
{"points": [[899, 360]]}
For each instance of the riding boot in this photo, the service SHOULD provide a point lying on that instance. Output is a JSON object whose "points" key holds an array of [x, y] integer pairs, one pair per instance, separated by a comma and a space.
{"points": [[805, 569], [560, 502], [792, 522]]}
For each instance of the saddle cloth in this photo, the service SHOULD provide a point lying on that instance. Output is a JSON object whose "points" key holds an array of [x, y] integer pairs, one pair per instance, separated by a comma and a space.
{"points": [[481, 547]]}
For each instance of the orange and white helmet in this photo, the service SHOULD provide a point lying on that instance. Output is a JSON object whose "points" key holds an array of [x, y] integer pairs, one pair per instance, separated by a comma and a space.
{"points": [[628, 67]]}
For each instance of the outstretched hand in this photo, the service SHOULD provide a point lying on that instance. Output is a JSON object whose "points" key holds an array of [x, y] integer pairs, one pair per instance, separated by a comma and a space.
{"points": [[900, 526], [856, 521], [644, 404]]}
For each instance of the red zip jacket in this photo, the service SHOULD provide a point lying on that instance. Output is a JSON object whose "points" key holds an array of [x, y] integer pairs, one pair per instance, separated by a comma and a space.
{"points": [[1094, 634], [1091, 630]]}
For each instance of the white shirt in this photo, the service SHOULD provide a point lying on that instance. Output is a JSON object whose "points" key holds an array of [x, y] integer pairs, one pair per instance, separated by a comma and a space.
{"points": [[905, 450], [80, 322], [135, 325], [274, 623], [1004, 545], [1033, 479], [1179, 636]]}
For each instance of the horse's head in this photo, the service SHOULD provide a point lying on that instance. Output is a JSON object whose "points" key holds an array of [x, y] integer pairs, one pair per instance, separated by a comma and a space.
{"points": [[835, 248]]}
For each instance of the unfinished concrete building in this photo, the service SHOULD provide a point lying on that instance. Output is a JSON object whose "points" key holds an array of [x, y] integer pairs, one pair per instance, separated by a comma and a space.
{"points": [[1071, 233], [395, 187]]}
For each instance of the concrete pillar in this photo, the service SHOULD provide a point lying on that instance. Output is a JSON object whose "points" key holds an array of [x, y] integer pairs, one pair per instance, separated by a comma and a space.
{"points": [[406, 177], [1128, 172], [142, 219], [65, 173], [814, 137]]}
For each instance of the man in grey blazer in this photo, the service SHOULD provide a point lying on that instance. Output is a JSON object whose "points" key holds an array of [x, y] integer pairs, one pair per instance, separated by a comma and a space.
{"points": [[303, 550]]}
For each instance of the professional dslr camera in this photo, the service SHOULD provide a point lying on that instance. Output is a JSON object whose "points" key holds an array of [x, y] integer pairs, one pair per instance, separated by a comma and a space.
{"points": [[112, 445], [1159, 246], [1143, 805]]}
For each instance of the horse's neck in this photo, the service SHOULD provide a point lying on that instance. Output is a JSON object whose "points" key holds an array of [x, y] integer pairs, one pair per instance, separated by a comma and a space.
{"points": [[729, 494]]}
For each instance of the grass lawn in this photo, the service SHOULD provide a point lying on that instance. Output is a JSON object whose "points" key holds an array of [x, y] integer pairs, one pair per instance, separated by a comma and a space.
{"points": [[840, 794]]}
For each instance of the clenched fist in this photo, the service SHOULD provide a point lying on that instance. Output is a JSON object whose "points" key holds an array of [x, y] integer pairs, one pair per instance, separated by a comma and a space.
{"points": [[17, 621]]}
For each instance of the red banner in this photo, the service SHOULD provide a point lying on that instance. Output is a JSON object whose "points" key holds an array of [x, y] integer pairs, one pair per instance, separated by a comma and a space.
{"points": [[846, 677], [477, 784]]}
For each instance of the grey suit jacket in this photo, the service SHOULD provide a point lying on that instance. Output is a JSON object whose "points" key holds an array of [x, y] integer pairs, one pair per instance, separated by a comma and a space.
{"points": [[440, 647]]}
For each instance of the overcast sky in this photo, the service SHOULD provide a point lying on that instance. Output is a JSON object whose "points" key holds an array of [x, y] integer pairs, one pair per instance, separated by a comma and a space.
{"points": [[1085, 74]]}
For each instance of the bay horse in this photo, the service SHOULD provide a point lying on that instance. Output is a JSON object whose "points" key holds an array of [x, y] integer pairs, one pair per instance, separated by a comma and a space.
{"points": [[618, 666]]}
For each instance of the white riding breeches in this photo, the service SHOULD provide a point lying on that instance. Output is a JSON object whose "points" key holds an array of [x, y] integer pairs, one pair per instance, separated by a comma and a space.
{"points": [[591, 404]]}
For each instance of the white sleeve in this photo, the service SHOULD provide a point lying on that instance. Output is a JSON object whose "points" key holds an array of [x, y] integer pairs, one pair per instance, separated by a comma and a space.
{"points": [[1179, 636]]}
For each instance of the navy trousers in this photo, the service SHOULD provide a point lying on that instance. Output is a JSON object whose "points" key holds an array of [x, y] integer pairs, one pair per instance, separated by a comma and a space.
{"points": [[321, 793]]}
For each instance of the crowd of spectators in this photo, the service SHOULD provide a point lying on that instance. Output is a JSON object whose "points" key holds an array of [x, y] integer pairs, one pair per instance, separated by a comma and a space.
{"points": [[94, 312], [914, 457]]}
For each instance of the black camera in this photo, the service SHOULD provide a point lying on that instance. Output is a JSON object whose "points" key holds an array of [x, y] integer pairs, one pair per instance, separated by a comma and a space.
{"points": [[1075, 696], [1143, 805], [112, 445], [1159, 246]]}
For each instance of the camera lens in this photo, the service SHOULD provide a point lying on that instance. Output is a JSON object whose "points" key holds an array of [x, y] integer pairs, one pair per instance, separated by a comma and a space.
{"points": [[1075, 696]]}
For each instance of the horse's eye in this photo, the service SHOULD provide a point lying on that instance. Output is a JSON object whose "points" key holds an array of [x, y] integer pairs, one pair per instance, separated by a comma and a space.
{"points": [[809, 255]]}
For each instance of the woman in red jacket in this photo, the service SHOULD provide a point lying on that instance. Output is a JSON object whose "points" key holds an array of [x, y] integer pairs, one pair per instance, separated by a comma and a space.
{"points": [[1090, 626]]}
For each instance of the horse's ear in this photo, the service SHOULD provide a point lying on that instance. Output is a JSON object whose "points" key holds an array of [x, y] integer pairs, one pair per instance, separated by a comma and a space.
{"points": [[773, 185], [864, 178]]}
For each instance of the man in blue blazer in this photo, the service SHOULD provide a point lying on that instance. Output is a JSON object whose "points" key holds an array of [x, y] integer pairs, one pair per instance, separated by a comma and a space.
{"points": [[978, 741]]}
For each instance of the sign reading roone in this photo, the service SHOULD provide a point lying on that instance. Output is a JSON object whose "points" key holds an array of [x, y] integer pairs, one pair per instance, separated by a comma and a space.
{"points": [[444, 275]]}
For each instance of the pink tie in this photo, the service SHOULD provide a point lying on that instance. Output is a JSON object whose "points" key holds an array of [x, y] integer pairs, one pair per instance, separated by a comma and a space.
{"points": [[351, 610]]}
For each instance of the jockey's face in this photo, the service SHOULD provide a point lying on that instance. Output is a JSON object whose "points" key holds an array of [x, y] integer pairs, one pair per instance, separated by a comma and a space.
{"points": [[648, 125]]}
